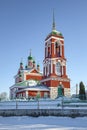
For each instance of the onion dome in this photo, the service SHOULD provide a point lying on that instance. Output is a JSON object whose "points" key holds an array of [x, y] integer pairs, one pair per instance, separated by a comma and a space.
{"points": [[21, 63], [26, 67], [30, 57], [20, 75], [38, 65], [34, 62]]}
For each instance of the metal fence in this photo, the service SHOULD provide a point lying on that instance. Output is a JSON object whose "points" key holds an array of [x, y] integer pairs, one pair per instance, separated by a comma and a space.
{"points": [[43, 104]]}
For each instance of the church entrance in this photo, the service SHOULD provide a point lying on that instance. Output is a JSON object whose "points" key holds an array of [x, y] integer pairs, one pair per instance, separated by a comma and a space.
{"points": [[60, 91]]}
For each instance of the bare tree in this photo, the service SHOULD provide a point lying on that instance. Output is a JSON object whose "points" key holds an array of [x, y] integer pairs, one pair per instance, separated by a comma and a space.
{"points": [[3, 96]]}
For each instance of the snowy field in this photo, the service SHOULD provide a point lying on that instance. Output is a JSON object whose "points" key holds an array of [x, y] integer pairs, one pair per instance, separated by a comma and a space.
{"points": [[43, 123]]}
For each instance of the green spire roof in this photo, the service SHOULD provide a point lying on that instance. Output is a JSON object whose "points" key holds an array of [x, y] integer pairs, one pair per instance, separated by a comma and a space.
{"points": [[54, 32], [53, 27], [30, 57]]}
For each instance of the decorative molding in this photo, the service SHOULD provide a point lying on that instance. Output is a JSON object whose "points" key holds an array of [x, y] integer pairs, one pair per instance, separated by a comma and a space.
{"points": [[56, 78], [62, 39]]}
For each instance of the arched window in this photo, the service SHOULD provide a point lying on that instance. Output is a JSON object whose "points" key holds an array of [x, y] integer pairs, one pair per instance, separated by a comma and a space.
{"points": [[57, 48], [58, 68]]}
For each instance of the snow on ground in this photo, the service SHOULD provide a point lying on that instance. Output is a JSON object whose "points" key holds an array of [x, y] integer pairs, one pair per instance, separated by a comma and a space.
{"points": [[43, 123]]}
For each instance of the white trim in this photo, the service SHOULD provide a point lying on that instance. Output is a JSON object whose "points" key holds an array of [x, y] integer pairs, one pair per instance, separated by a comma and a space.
{"points": [[56, 78], [48, 69], [45, 70], [54, 38], [60, 50], [62, 70], [39, 74], [34, 89], [53, 59]]}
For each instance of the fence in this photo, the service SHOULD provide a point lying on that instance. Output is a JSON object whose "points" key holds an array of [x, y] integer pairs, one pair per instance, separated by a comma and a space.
{"points": [[38, 104], [42, 104], [43, 108]]}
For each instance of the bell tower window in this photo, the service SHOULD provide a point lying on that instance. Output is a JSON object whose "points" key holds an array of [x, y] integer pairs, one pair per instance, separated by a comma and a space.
{"points": [[57, 46], [58, 68]]}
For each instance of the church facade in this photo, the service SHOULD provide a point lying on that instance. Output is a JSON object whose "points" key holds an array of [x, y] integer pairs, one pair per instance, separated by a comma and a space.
{"points": [[53, 82]]}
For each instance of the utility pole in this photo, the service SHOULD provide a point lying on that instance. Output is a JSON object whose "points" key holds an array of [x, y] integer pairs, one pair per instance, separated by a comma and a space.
{"points": [[76, 90]]}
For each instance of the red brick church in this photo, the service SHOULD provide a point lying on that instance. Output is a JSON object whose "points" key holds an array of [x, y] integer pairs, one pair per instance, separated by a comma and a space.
{"points": [[53, 82]]}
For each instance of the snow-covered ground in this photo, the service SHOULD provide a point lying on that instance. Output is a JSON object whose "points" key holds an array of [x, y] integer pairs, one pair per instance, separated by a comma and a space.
{"points": [[43, 123]]}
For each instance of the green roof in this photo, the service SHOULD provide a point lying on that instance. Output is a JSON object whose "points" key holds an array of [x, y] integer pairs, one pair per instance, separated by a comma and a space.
{"points": [[54, 32], [21, 83]]}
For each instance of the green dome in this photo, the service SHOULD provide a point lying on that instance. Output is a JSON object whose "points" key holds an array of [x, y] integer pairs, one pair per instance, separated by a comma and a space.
{"points": [[26, 67], [21, 63], [38, 65], [30, 58], [20, 75], [34, 61]]}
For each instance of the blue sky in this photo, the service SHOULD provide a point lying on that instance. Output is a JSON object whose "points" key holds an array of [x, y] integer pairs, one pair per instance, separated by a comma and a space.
{"points": [[24, 25]]}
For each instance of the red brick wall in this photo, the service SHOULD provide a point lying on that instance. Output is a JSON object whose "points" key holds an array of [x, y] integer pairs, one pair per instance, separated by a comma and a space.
{"points": [[55, 83], [33, 77]]}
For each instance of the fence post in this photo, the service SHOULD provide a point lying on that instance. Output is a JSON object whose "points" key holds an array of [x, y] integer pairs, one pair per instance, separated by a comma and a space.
{"points": [[62, 103], [16, 104], [38, 104]]}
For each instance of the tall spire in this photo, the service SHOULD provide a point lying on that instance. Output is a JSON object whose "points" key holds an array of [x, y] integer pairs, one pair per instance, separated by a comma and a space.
{"points": [[21, 60], [21, 64], [53, 27], [30, 52]]}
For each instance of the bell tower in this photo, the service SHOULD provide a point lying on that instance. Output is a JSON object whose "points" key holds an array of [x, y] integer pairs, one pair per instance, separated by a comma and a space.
{"points": [[54, 64]]}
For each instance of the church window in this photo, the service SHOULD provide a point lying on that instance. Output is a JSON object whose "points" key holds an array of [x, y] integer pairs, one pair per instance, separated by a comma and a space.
{"points": [[58, 68], [48, 51]]}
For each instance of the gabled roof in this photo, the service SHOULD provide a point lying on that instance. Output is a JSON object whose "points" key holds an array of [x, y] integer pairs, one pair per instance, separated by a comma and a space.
{"points": [[34, 70]]}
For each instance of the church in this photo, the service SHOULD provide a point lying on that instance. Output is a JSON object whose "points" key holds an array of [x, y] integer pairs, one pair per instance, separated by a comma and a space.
{"points": [[53, 82]]}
